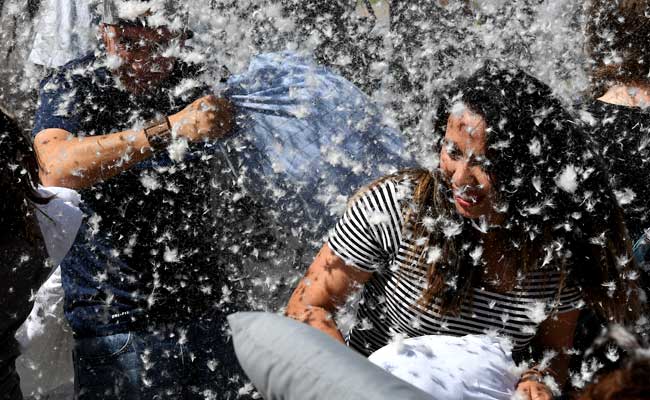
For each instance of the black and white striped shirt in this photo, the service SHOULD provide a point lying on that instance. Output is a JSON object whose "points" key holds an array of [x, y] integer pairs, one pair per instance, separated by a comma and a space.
{"points": [[370, 237]]}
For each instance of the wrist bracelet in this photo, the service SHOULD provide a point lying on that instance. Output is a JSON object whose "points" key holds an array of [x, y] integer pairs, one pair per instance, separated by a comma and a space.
{"points": [[532, 374], [159, 134], [536, 375]]}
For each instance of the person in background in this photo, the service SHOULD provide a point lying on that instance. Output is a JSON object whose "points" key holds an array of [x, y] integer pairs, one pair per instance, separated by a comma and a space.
{"points": [[502, 237], [66, 31], [630, 382], [199, 229], [618, 47], [138, 283], [21, 246], [618, 35], [630, 379], [38, 227], [618, 122]]}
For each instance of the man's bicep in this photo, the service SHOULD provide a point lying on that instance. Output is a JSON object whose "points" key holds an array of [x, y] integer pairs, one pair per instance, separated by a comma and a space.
{"points": [[49, 139]]}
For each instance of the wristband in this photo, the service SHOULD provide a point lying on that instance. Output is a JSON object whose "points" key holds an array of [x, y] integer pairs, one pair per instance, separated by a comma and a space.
{"points": [[530, 376], [159, 134]]}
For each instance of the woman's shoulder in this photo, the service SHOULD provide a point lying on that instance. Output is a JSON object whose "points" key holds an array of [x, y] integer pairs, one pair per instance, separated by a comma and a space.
{"points": [[369, 233], [398, 188]]}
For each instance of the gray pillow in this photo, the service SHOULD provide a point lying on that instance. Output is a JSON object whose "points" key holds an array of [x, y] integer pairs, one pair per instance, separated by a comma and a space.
{"points": [[288, 360]]}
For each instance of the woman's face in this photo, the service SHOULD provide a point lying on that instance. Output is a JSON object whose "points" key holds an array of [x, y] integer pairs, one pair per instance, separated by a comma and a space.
{"points": [[463, 163]]}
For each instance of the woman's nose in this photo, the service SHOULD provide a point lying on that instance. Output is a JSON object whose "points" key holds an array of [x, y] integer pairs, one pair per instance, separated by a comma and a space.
{"points": [[463, 175]]}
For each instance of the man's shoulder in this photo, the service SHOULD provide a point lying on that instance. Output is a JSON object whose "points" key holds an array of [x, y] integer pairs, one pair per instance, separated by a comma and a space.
{"points": [[84, 70], [62, 94], [618, 112], [82, 61]]}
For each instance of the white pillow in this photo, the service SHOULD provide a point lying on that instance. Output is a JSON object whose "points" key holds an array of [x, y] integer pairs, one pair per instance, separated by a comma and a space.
{"points": [[289, 360], [59, 220], [448, 368]]}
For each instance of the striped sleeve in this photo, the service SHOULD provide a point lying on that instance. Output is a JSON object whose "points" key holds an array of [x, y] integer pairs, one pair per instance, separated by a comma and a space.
{"points": [[369, 233]]}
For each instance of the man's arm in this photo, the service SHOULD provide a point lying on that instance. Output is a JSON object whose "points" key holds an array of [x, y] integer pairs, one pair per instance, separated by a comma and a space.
{"points": [[79, 162]]}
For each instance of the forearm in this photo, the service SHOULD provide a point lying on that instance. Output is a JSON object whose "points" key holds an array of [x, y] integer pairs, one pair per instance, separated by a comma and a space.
{"points": [[317, 317], [559, 368], [80, 162], [544, 380], [311, 304], [554, 338]]}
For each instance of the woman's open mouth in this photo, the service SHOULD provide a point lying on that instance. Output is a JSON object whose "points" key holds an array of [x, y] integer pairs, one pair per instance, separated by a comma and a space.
{"points": [[467, 198]]}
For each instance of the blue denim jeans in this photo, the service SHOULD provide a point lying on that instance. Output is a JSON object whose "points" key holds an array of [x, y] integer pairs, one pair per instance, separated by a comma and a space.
{"points": [[642, 252], [180, 361]]}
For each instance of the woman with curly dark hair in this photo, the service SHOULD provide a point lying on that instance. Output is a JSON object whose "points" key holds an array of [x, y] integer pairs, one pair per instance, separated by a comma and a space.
{"points": [[511, 234], [38, 226]]}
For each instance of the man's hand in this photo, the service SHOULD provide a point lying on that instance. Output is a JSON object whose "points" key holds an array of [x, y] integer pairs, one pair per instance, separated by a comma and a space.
{"points": [[533, 390], [206, 118]]}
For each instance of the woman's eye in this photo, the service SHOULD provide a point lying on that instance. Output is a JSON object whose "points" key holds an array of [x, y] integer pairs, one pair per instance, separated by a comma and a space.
{"points": [[453, 152], [477, 161], [481, 162]]}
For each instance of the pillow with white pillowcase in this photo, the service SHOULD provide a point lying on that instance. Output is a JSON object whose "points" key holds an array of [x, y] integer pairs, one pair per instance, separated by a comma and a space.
{"points": [[478, 367]]}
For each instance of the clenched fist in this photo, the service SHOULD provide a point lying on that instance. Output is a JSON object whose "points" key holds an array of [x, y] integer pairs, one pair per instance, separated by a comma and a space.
{"points": [[206, 118]]}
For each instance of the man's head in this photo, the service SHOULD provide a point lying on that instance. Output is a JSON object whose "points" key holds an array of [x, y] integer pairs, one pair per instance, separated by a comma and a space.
{"points": [[618, 42], [137, 36]]}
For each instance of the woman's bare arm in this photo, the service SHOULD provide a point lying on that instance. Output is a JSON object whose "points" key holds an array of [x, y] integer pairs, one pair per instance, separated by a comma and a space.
{"points": [[325, 286], [555, 334]]}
